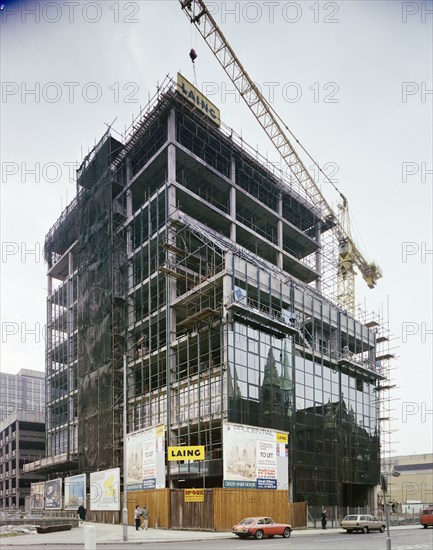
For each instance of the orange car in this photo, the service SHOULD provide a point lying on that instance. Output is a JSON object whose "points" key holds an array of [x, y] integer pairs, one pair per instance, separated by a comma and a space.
{"points": [[426, 516], [261, 526]]}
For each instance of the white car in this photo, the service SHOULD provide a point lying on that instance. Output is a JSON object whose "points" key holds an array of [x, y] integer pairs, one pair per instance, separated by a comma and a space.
{"points": [[363, 523]]}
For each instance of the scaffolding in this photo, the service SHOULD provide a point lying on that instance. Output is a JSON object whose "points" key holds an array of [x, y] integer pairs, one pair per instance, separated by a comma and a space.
{"points": [[189, 255], [386, 354]]}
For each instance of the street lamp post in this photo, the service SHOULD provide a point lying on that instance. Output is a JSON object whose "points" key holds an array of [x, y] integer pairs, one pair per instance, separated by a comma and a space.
{"points": [[125, 456], [384, 487]]}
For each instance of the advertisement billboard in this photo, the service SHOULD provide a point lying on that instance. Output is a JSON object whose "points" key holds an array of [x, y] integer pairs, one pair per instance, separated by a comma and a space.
{"points": [[146, 461], [37, 494], [105, 490], [255, 457], [53, 494], [75, 492]]}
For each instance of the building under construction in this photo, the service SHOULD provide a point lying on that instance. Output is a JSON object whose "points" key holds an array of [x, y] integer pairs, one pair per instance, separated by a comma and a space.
{"points": [[188, 258]]}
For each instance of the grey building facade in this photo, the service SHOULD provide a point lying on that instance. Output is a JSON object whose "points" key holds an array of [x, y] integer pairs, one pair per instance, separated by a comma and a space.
{"points": [[24, 391], [22, 441]]}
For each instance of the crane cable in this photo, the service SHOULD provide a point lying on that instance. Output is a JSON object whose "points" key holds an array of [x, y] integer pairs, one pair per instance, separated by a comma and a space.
{"points": [[343, 197], [305, 150]]}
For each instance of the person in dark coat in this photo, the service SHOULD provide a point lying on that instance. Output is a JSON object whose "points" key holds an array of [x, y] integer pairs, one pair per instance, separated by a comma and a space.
{"points": [[324, 519], [82, 512]]}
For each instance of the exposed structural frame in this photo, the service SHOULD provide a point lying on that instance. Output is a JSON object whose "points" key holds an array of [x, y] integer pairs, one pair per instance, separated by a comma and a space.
{"points": [[349, 254], [194, 300]]}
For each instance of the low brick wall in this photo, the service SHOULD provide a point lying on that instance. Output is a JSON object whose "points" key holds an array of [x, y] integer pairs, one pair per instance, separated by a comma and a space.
{"points": [[43, 522]]}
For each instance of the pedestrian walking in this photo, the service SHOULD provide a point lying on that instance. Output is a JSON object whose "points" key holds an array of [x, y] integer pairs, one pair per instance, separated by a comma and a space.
{"points": [[145, 517], [324, 519], [81, 513], [137, 515]]}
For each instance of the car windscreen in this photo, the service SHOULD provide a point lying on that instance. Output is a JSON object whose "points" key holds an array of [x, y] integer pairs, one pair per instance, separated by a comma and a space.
{"points": [[246, 521], [350, 518]]}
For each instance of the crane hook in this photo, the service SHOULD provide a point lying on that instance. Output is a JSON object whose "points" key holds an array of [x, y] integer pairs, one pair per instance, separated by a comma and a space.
{"points": [[193, 55]]}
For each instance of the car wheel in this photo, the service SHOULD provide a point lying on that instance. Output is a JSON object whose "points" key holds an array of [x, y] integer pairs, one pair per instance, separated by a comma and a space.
{"points": [[286, 533], [365, 530], [259, 534], [425, 526], [242, 536], [382, 529]]}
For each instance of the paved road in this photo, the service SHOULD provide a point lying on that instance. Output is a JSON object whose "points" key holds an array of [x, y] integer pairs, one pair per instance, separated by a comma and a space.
{"points": [[408, 538]]}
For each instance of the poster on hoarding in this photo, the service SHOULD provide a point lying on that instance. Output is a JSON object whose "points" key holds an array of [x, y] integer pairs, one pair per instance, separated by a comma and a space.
{"points": [[254, 457], [37, 493], [75, 492], [193, 495], [145, 451], [105, 490], [53, 494]]}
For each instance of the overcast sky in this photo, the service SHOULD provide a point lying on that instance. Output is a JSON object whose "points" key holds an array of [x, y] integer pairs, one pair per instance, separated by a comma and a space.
{"points": [[352, 80]]}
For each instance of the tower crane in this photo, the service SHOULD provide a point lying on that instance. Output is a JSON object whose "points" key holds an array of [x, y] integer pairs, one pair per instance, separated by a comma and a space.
{"points": [[349, 254]]}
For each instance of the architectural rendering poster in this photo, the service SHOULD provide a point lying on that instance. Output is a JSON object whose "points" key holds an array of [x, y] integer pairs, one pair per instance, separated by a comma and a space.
{"points": [[37, 495], [75, 491], [146, 459], [105, 490], [255, 458], [53, 494]]}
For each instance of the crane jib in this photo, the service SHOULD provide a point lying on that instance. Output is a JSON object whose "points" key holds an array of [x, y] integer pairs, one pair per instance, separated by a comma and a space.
{"points": [[206, 25]]}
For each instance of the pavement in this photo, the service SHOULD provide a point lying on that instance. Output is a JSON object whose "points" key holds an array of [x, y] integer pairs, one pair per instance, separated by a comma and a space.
{"points": [[113, 534]]}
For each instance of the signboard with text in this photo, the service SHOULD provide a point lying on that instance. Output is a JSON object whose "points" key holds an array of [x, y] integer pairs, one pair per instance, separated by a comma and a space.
{"points": [[193, 495], [145, 451], [105, 490], [255, 457], [186, 453], [194, 96]]}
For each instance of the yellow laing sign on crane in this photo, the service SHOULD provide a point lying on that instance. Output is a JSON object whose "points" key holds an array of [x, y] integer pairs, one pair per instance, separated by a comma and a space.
{"points": [[186, 453], [200, 101]]}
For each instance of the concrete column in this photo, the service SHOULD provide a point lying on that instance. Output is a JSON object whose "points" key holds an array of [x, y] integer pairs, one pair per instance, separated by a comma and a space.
{"points": [[49, 341], [319, 257], [233, 202], [129, 214], [171, 214], [227, 321], [171, 126], [280, 232]]}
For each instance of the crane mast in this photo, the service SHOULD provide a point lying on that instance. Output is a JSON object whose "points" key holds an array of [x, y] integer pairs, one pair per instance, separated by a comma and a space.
{"points": [[349, 255]]}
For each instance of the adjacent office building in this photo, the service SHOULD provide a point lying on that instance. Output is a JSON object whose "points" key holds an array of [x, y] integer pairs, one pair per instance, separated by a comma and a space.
{"points": [[22, 433]]}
